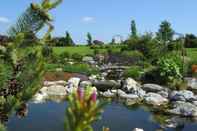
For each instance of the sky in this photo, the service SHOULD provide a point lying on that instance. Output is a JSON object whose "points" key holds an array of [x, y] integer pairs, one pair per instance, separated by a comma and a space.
{"points": [[107, 18]]}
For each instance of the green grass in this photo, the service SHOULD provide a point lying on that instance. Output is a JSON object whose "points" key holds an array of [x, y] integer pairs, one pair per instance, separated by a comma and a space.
{"points": [[192, 53], [82, 50], [75, 68]]}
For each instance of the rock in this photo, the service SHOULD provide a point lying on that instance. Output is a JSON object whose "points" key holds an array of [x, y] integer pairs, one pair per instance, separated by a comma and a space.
{"points": [[138, 129], [108, 94], [129, 96], [39, 97], [59, 69], [176, 122], [163, 93], [94, 77], [88, 59], [152, 88], [194, 103], [183, 109], [155, 99], [105, 85], [130, 102], [183, 95], [50, 83], [120, 93], [192, 83], [84, 84], [131, 86], [73, 83], [56, 90]]}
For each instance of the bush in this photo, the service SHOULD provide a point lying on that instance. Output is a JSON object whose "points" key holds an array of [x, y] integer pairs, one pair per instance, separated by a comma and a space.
{"points": [[169, 71], [135, 72], [77, 57], [80, 68], [147, 45], [96, 51], [63, 56], [47, 51], [136, 56]]}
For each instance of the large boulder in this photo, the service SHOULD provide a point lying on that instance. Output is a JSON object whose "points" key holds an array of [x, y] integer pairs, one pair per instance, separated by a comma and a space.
{"points": [[155, 99], [133, 87], [152, 88], [105, 85], [184, 95], [130, 84], [163, 93], [183, 109]]}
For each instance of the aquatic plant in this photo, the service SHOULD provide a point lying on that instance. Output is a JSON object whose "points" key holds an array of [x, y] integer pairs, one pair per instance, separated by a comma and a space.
{"points": [[83, 109]]}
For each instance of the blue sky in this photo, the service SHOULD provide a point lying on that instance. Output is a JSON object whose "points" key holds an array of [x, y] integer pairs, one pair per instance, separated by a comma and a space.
{"points": [[106, 18]]}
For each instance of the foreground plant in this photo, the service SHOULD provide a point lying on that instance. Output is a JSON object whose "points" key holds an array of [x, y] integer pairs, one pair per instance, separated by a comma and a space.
{"points": [[21, 61], [83, 109]]}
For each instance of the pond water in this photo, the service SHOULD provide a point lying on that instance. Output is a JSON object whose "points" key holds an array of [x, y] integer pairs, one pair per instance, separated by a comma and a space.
{"points": [[49, 116]]}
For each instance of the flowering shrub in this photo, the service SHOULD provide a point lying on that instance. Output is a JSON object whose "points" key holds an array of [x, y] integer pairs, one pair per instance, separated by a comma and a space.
{"points": [[83, 109]]}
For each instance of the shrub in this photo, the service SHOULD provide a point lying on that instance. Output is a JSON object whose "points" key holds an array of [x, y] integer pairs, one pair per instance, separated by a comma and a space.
{"points": [[64, 55], [134, 72], [136, 56], [147, 45], [169, 70], [80, 68], [47, 51], [96, 51], [77, 57]]}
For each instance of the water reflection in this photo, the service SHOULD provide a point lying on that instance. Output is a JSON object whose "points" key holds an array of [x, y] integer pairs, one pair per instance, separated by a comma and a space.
{"points": [[22, 111], [50, 115]]}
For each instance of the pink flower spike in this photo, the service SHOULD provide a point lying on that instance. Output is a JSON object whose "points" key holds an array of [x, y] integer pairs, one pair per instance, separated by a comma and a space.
{"points": [[80, 93], [93, 96]]}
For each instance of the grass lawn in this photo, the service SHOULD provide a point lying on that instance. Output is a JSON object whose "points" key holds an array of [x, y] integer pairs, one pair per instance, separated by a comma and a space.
{"points": [[192, 53], [82, 50]]}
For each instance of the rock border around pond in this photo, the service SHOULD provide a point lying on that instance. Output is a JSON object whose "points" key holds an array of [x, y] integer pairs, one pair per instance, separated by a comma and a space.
{"points": [[130, 91]]}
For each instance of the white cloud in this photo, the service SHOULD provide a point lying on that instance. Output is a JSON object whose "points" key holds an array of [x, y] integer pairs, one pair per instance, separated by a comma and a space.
{"points": [[4, 20], [88, 19]]}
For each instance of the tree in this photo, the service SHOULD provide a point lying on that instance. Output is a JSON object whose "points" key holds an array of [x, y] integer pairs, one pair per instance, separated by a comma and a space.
{"points": [[89, 39], [165, 32], [68, 40], [113, 41], [98, 42], [23, 68], [190, 41], [133, 29]]}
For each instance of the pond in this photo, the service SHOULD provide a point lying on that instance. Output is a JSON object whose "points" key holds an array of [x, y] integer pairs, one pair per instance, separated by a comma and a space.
{"points": [[49, 116]]}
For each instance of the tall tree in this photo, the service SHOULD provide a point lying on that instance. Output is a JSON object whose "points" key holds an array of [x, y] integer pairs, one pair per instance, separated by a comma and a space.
{"points": [[133, 29], [68, 40], [165, 32], [89, 39]]}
